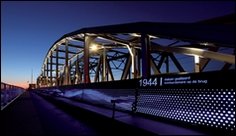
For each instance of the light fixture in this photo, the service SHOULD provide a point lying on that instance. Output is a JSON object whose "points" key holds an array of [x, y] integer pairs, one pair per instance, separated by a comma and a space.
{"points": [[135, 35], [196, 59], [153, 37], [206, 44], [93, 47]]}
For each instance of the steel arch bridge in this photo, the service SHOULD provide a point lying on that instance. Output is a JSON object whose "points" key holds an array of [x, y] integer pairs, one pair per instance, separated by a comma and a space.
{"points": [[134, 50]]}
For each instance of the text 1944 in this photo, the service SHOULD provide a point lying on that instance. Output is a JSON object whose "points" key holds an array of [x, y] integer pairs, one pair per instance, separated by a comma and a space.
{"points": [[148, 82]]}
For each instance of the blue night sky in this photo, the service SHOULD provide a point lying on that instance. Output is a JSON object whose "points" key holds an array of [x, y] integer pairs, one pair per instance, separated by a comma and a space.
{"points": [[28, 29]]}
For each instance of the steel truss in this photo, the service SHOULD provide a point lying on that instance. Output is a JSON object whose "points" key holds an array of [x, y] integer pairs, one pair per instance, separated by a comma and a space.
{"points": [[85, 57]]}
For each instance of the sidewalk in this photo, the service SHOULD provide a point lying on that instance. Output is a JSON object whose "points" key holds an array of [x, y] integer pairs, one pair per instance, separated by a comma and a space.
{"points": [[21, 118], [30, 114]]}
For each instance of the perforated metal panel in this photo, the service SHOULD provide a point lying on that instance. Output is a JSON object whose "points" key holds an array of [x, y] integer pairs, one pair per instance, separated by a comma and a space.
{"points": [[209, 107]]}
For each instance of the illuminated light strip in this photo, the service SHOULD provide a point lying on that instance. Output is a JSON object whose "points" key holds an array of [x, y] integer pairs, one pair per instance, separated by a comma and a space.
{"points": [[135, 34], [196, 59]]}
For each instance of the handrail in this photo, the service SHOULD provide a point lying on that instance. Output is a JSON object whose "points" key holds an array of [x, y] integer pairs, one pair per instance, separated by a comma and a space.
{"points": [[9, 93]]}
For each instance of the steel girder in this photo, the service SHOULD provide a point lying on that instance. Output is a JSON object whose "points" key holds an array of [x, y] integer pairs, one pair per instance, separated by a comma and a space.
{"points": [[76, 57]]}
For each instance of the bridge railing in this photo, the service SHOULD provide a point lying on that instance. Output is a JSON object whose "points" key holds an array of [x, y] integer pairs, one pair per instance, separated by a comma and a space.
{"points": [[100, 94], [9, 93], [203, 100]]}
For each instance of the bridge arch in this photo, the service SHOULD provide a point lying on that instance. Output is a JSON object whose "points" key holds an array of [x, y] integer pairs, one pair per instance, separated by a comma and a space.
{"points": [[134, 50]]}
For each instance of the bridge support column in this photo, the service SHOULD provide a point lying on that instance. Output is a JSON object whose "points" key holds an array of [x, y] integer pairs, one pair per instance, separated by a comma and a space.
{"points": [[77, 74], [138, 64], [44, 70], [134, 63], [167, 63], [96, 78], [104, 71], [69, 73], [47, 72], [67, 76], [87, 42], [51, 70], [57, 80], [145, 44]]}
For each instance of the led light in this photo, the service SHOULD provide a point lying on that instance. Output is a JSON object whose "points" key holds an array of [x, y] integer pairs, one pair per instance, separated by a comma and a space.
{"points": [[206, 44], [94, 47], [196, 59], [213, 107], [135, 35]]}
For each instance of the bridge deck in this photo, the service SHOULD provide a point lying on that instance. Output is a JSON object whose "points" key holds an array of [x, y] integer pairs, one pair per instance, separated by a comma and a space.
{"points": [[30, 114]]}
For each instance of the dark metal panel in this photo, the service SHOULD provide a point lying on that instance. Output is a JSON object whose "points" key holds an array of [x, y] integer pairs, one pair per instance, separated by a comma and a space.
{"points": [[226, 66], [145, 43]]}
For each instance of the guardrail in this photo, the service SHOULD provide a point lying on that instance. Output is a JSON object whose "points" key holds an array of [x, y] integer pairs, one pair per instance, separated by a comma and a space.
{"points": [[203, 100], [9, 93]]}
